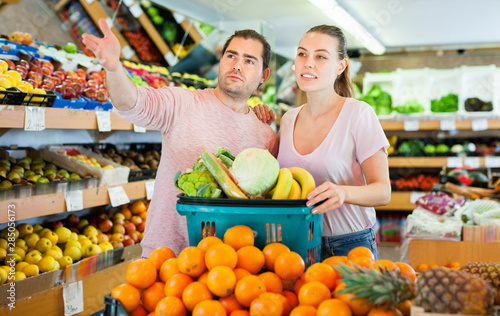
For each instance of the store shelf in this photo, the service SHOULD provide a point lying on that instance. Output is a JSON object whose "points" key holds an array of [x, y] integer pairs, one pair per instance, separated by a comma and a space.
{"points": [[51, 302], [436, 125], [12, 116], [96, 12], [154, 35], [401, 201], [42, 205]]}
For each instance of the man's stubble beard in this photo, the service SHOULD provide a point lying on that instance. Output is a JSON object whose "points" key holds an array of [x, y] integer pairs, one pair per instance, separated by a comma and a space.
{"points": [[236, 92]]}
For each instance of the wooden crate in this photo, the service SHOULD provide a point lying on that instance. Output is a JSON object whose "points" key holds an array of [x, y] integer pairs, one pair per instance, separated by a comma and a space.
{"points": [[419, 311], [442, 252]]}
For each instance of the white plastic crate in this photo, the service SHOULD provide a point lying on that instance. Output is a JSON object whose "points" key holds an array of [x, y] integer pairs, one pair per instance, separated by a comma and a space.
{"points": [[412, 84], [477, 82], [386, 81], [442, 82]]}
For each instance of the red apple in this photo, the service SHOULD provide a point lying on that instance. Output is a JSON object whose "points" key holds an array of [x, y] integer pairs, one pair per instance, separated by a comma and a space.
{"points": [[128, 242], [22, 72], [23, 63], [101, 97], [47, 71], [134, 236], [36, 69], [57, 224], [11, 64], [130, 227], [47, 64], [105, 225], [60, 73], [72, 74], [96, 76], [68, 94], [93, 83], [33, 74], [141, 227], [90, 93], [33, 83], [37, 62], [72, 220], [56, 79], [81, 74], [74, 229]]}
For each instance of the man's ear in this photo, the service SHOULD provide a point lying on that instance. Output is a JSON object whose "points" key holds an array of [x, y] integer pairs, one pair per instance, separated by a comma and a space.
{"points": [[265, 75]]}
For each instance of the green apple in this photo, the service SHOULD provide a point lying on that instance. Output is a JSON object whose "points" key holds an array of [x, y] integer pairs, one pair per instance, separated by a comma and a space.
{"points": [[73, 252], [70, 48], [43, 245], [65, 261]]}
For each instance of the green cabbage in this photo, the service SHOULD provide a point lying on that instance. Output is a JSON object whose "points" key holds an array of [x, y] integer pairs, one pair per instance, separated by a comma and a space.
{"points": [[255, 171]]}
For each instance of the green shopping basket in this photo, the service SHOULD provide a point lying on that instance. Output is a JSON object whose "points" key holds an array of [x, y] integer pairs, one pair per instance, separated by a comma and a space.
{"points": [[285, 221]]}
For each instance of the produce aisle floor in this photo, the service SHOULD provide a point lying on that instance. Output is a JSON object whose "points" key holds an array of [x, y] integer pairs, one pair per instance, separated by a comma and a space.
{"points": [[389, 252]]}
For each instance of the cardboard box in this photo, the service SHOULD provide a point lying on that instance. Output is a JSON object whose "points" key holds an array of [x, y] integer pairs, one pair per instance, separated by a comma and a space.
{"points": [[108, 177], [419, 311]]}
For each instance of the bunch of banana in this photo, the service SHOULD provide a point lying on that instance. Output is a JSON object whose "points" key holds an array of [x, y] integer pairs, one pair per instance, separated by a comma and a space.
{"points": [[293, 183]]}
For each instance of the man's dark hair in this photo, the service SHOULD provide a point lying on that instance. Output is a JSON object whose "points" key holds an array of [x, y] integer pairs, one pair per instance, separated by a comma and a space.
{"points": [[246, 34]]}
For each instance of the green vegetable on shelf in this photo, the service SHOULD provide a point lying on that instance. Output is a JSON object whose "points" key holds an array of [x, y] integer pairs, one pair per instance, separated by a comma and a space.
{"points": [[411, 147], [169, 31], [448, 103], [410, 106], [380, 100], [430, 149], [442, 149]]}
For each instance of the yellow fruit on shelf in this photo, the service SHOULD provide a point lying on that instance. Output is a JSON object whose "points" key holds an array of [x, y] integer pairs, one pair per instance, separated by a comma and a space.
{"points": [[5, 83], [3, 65], [38, 91], [13, 81], [14, 74]]}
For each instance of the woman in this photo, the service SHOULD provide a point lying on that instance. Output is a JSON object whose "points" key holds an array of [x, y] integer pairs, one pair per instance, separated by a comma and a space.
{"points": [[339, 140]]}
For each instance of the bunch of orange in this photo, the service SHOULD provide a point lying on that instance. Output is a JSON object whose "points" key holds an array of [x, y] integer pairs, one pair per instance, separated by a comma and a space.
{"points": [[233, 277], [455, 265]]}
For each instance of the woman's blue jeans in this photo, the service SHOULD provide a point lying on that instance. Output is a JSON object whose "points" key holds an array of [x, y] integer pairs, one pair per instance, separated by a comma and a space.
{"points": [[341, 245]]}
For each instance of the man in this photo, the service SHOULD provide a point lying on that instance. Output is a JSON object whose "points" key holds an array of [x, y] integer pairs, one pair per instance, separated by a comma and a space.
{"points": [[190, 121]]}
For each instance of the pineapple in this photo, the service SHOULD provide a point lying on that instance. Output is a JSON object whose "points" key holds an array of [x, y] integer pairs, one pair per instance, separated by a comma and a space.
{"points": [[438, 290], [488, 271]]}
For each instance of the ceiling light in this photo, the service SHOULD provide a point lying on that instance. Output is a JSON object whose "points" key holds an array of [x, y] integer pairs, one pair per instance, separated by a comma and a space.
{"points": [[345, 21]]}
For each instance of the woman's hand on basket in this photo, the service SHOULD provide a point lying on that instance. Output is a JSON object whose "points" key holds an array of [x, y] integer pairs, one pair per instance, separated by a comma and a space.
{"points": [[328, 196]]}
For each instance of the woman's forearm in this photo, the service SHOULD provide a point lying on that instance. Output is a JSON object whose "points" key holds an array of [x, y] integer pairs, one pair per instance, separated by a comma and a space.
{"points": [[371, 195], [122, 91]]}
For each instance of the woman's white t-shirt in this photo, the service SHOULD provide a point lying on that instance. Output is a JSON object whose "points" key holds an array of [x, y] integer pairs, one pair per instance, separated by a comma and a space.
{"points": [[355, 136]]}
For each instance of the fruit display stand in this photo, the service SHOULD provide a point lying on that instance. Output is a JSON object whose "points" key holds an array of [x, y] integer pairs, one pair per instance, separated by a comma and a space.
{"points": [[441, 252], [419, 311]]}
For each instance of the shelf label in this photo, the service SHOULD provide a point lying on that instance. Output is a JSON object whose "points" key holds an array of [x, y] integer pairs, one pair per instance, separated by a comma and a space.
{"points": [[135, 10], [109, 21], [492, 162], [448, 125], [118, 196], [454, 162], [34, 118], [414, 196], [139, 129], [103, 121], [170, 58], [90, 1], [128, 3], [150, 189], [127, 52], [411, 126], [479, 125], [473, 162], [74, 200], [73, 298], [178, 17]]}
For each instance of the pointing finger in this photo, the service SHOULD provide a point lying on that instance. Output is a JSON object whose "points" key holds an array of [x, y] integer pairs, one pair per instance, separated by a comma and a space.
{"points": [[105, 27]]}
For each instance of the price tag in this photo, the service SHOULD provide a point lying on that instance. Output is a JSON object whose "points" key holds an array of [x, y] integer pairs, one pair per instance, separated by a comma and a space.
{"points": [[34, 118], [479, 125], [492, 162], [414, 196], [135, 10], [127, 52], [73, 298], [170, 58], [128, 3], [454, 162], [139, 129], [448, 125], [109, 21], [90, 1], [179, 17], [118, 196], [411, 126], [473, 162], [150, 189], [103, 121], [74, 200]]}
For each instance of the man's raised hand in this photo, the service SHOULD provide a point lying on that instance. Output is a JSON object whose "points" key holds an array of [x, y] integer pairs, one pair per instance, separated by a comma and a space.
{"points": [[106, 49]]}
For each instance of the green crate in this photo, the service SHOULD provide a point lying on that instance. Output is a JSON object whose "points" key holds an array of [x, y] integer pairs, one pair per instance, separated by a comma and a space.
{"points": [[286, 221]]}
